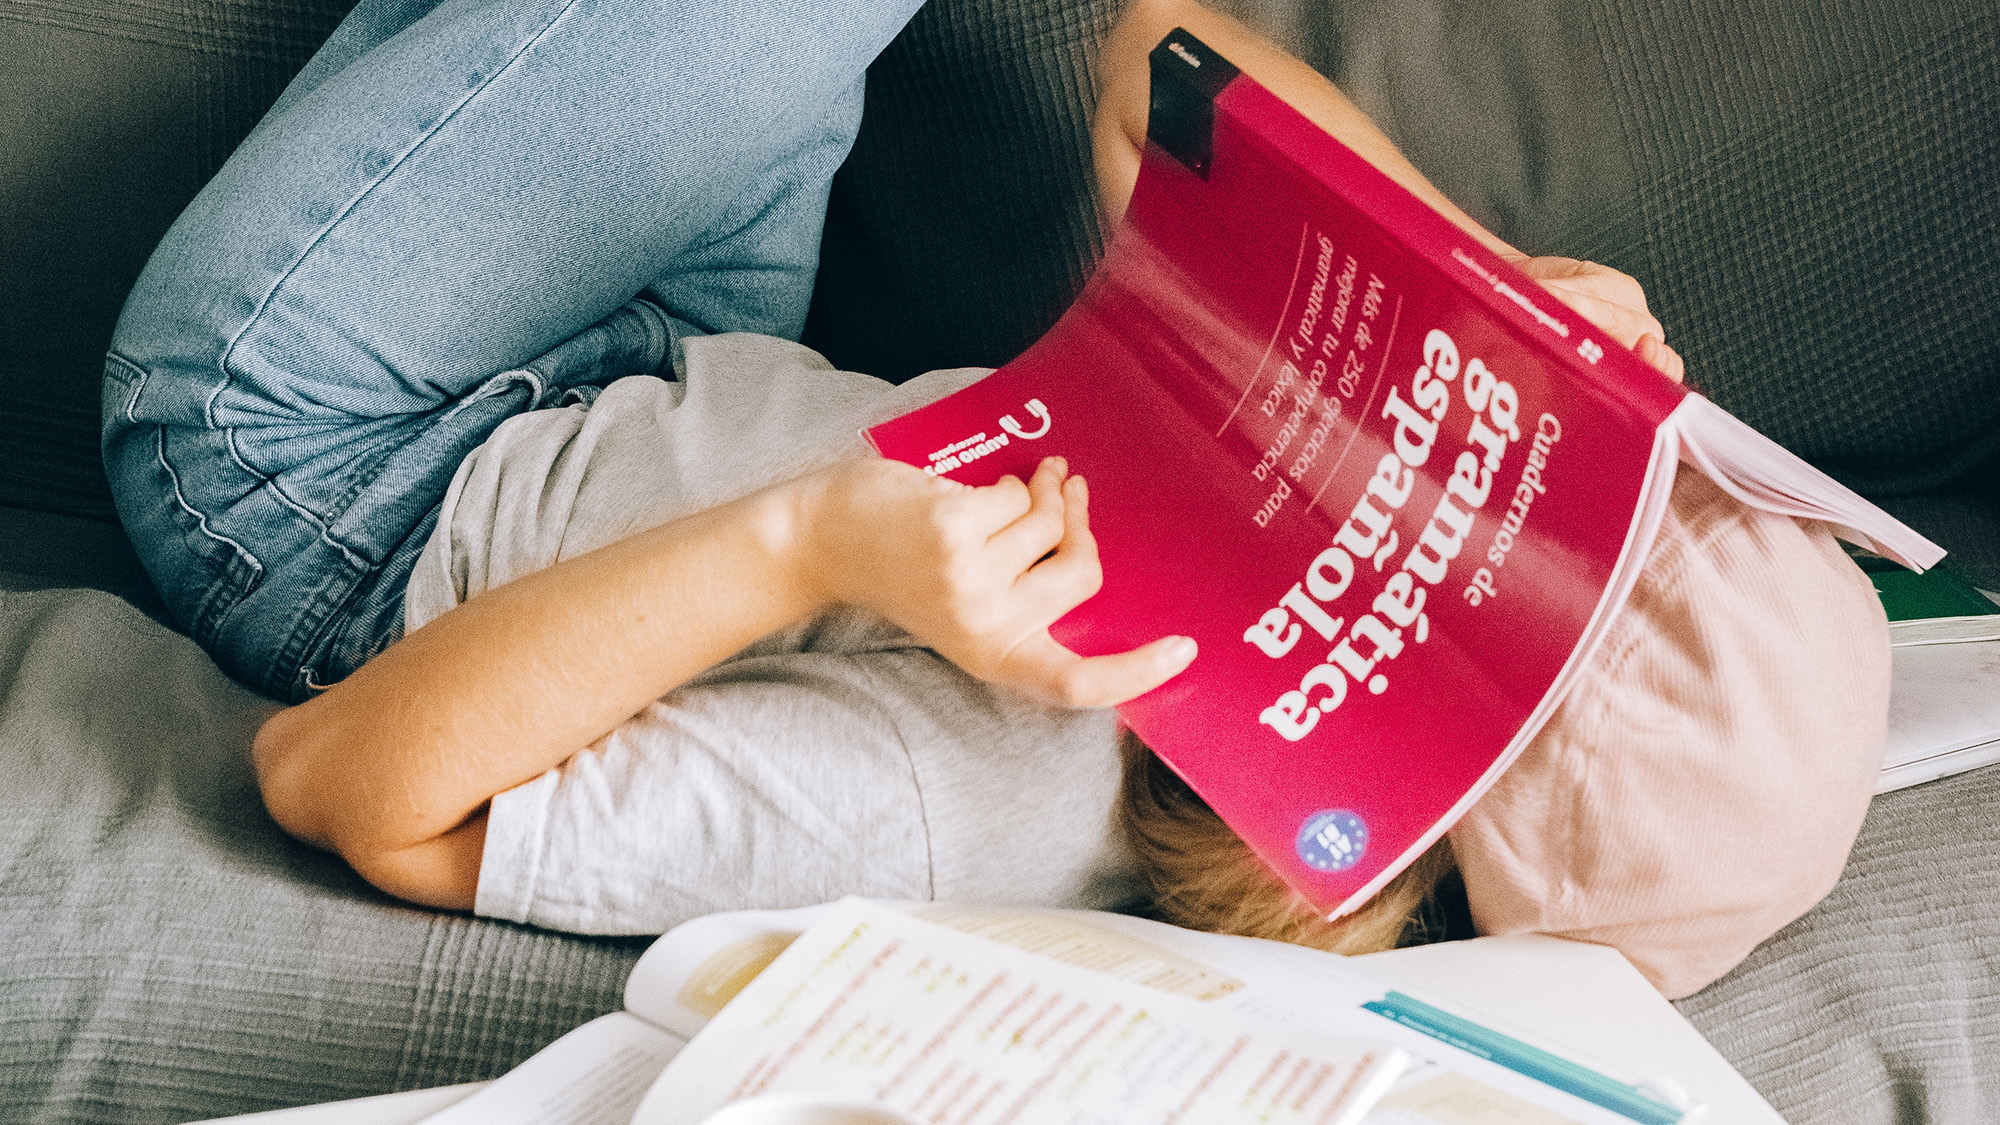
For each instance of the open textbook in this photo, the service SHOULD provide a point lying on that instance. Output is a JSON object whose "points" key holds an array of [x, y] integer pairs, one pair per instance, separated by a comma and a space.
{"points": [[1395, 490], [973, 1016], [1944, 697]]}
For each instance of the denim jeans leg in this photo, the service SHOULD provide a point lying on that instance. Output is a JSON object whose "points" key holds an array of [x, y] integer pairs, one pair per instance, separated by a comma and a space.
{"points": [[363, 292]]}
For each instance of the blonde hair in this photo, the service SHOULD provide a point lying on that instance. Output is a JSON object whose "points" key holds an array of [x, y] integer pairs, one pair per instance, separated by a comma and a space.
{"points": [[1201, 875]]}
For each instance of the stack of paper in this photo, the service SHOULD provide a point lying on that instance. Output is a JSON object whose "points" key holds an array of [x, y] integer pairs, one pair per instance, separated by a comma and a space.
{"points": [[1944, 701]]}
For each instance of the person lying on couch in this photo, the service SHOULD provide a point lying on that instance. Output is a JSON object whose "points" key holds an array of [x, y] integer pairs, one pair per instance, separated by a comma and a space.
{"points": [[579, 645]]}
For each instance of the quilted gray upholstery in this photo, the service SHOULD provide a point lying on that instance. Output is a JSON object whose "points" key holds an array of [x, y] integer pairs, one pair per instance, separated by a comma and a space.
{"points": [[166, 953], [1806, 187]]}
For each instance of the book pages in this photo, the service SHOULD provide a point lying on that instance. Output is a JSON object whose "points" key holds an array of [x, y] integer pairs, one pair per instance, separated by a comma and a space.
{"points": [[942, 1026], [595, 1075], [1944, 712]]}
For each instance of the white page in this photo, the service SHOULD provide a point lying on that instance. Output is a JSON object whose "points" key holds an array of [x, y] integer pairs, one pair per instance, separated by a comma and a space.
{"points": [[937, 1024], [1764, 474], [1293, 986], [1944, 712], [595, 1075], [1585, 1000], [686, 977], [1300, 987], [1591, 987], [1945, 630]]}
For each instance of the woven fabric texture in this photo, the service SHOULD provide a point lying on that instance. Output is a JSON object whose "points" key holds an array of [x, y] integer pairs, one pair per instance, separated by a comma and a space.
{"points": [[1817, 217], [167, 954], [113, 113], [964, 221], [1882, 1004]]}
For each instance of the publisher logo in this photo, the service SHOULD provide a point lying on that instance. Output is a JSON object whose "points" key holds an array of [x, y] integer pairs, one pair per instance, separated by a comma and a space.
{"points": [[1333, 841]]}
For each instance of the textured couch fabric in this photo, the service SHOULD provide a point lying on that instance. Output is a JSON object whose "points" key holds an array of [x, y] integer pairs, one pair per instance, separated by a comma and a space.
{"points": [[112, 116], [1883, 1002], [1806, 188], [166, 953]]}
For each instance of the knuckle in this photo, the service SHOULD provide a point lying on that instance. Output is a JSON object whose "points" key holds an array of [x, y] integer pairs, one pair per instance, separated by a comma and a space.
{"points": [[1090, 581]]}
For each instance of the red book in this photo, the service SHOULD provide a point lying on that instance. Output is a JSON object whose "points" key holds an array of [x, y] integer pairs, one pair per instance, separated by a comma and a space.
{"points": [[1393, 488]]}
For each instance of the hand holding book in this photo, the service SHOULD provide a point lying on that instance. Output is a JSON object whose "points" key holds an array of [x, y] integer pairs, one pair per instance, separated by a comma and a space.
{"points": [[1609, 298], [1612, 300], [979, 574]]}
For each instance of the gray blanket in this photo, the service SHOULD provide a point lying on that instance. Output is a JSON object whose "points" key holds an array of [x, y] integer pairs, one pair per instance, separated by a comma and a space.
{"points": [[167, 954]]}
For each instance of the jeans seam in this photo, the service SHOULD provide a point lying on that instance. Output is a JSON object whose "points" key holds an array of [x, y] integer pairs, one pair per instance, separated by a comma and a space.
{"points": [[319, 614], [319, 525], [140, 376], [200, 518], [223, 362], [204, 621]]}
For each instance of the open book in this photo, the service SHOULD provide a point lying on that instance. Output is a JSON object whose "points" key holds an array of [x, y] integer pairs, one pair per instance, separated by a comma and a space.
{"points": [[1395, 490], [976, 1016]]}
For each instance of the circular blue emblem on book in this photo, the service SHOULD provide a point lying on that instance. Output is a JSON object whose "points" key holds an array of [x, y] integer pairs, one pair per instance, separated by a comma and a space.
{"points": [[1334, 840]]}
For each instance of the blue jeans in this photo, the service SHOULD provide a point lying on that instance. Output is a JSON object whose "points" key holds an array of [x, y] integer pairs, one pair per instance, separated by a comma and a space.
{"points": [[460, 210]]}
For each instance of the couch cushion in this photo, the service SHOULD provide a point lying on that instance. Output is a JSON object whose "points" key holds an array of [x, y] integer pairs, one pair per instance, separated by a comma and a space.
{"points": [[1882, 1004], [1805, 186], [166, 953], [112, 115]]}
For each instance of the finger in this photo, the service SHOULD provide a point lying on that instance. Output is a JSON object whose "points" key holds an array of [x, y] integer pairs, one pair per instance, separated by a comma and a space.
{"points": [[984, 511], [1036, 531], [1615, 286], [1047, 671], [1662, 358], [1675, 367], [1621, 322], [1070, 576]]}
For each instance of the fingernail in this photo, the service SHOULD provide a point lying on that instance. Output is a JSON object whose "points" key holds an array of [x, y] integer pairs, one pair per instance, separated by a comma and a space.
{"points": [[1059, 464], [1181, 650]]}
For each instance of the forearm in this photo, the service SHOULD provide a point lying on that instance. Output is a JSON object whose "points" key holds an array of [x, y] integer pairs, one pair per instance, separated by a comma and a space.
{"points": [[393, 767], [1119, 131]]}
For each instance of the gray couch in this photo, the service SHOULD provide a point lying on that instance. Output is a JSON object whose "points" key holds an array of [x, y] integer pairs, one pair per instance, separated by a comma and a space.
{"points": [[1808, 190]]}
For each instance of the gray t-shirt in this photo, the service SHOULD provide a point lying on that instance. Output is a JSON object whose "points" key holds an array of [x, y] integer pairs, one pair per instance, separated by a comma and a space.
{"points": [[839, 756]]}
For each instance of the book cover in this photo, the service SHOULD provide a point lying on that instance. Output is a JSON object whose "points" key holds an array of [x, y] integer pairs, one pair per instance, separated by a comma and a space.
{"points": [[1393, 488]]}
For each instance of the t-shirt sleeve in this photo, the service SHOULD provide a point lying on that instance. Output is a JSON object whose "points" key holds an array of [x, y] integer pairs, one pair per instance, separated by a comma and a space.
{"points": [[770, 783], [798, 777]]}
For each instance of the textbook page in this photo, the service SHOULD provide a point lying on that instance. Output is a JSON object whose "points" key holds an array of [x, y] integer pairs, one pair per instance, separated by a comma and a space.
{"points": [[1445, 1085], [595, 1075], [1287, 985], [1553, 993], [1586, 999], [935, 1023]]}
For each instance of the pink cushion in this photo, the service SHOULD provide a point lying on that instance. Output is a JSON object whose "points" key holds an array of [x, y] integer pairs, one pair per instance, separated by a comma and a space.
{"points": [[1703, 782]]}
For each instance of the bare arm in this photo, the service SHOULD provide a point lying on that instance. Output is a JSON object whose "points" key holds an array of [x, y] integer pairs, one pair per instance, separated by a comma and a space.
{"points": [[393, 767], [1612, 300]]}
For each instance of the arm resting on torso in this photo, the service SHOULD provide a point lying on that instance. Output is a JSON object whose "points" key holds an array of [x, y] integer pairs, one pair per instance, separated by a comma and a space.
{"points": [[394, 766]]}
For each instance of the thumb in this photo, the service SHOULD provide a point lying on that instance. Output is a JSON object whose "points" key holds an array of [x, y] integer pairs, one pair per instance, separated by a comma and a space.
{"points": [[1045, 670]]}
